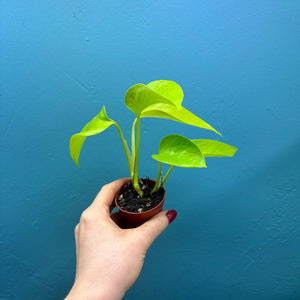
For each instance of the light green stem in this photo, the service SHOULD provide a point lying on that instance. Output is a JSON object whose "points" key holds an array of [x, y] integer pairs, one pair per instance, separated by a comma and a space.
{"points": [[128, 156], [157, 183], [167, 174], [136, 160], [133, 140]]}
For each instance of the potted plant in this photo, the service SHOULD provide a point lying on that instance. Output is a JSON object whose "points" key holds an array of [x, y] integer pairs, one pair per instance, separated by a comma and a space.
{"points": [[140, 199]]}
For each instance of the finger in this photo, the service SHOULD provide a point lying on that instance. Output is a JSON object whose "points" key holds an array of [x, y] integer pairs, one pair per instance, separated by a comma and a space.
{"points": [[104, 199], [151, 229]]}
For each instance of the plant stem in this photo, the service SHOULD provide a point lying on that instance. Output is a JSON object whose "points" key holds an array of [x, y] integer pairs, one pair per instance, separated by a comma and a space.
{"points": [[136, 160], [133, 140], [127, 152], [157, 183], [166, 176]]}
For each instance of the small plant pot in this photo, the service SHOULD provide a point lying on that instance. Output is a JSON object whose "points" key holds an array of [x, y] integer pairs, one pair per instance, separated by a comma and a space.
{"points": [[134, 219]]}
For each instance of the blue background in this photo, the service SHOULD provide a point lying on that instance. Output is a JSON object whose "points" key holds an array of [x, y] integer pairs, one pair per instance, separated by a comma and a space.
{"points": [[237, 234]]}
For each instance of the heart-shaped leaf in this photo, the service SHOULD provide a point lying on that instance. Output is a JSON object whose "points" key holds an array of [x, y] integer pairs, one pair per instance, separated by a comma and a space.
{"points": [[211, 148], [182, 115], [179, 151], [140, 96], [95, 126], [168, 89]]}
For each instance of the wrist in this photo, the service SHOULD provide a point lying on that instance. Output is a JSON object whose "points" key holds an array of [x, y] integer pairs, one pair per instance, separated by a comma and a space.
{"points": [[87, 292]]}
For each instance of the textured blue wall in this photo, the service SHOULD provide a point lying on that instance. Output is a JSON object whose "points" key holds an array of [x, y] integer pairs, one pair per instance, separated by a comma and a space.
{"points": [[237, 234]]}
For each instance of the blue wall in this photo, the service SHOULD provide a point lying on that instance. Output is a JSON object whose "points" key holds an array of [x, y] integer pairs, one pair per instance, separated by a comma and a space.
{"points": [[237, 234]]}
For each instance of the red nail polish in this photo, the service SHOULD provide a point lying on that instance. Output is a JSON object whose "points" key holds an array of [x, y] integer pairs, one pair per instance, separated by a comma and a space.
{"points": [[171, 215]]}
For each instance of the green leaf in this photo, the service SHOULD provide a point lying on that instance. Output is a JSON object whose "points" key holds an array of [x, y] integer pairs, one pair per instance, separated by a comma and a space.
{"points": [[168, 89], [140, 96], [179, 151], [211, 148], [182, 115], [95, 126]]}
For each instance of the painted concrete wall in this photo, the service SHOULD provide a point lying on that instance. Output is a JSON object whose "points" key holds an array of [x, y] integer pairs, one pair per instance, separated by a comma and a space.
{"points": [[237, 234]]}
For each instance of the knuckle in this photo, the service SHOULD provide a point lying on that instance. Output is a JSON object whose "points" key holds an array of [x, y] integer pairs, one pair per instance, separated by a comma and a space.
{"points": [[76, 229], [85, 217], [156, 226], [104, 187], [107, 187], [159, 224]]}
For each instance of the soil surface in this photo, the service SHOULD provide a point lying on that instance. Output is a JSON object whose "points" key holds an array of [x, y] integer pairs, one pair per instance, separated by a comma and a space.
{"points": [[130, 200]]}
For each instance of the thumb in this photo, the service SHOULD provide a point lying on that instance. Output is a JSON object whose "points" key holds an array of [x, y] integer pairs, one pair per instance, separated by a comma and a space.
{"points": [[151, 229]]}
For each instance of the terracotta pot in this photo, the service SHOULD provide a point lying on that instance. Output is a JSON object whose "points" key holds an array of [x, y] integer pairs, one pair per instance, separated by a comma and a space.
{"points": [[133, 219]]}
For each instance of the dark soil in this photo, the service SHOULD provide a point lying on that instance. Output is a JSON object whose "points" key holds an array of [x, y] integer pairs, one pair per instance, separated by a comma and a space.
{"points": [[130, 200]]}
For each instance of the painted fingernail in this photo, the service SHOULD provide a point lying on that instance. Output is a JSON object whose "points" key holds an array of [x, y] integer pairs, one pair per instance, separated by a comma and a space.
{"points": [[171, 215]]}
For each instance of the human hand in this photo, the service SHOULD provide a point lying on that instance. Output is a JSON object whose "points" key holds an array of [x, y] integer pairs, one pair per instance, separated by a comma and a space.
{"points": [[109, 258]]}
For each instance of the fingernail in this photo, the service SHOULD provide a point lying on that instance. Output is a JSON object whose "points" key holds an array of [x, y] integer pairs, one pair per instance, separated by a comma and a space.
{"points": [[171, 215]]}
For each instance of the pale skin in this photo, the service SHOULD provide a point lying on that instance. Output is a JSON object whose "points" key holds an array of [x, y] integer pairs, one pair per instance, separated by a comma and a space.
{"points": [[109, 258]]}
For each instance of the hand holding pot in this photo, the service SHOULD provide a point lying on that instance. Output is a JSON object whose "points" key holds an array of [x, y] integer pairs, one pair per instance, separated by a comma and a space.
{"points": [[109, 258]]}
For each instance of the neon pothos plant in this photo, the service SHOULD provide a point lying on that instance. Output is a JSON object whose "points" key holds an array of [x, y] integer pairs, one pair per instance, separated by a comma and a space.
{"points": [[157, 99]]}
